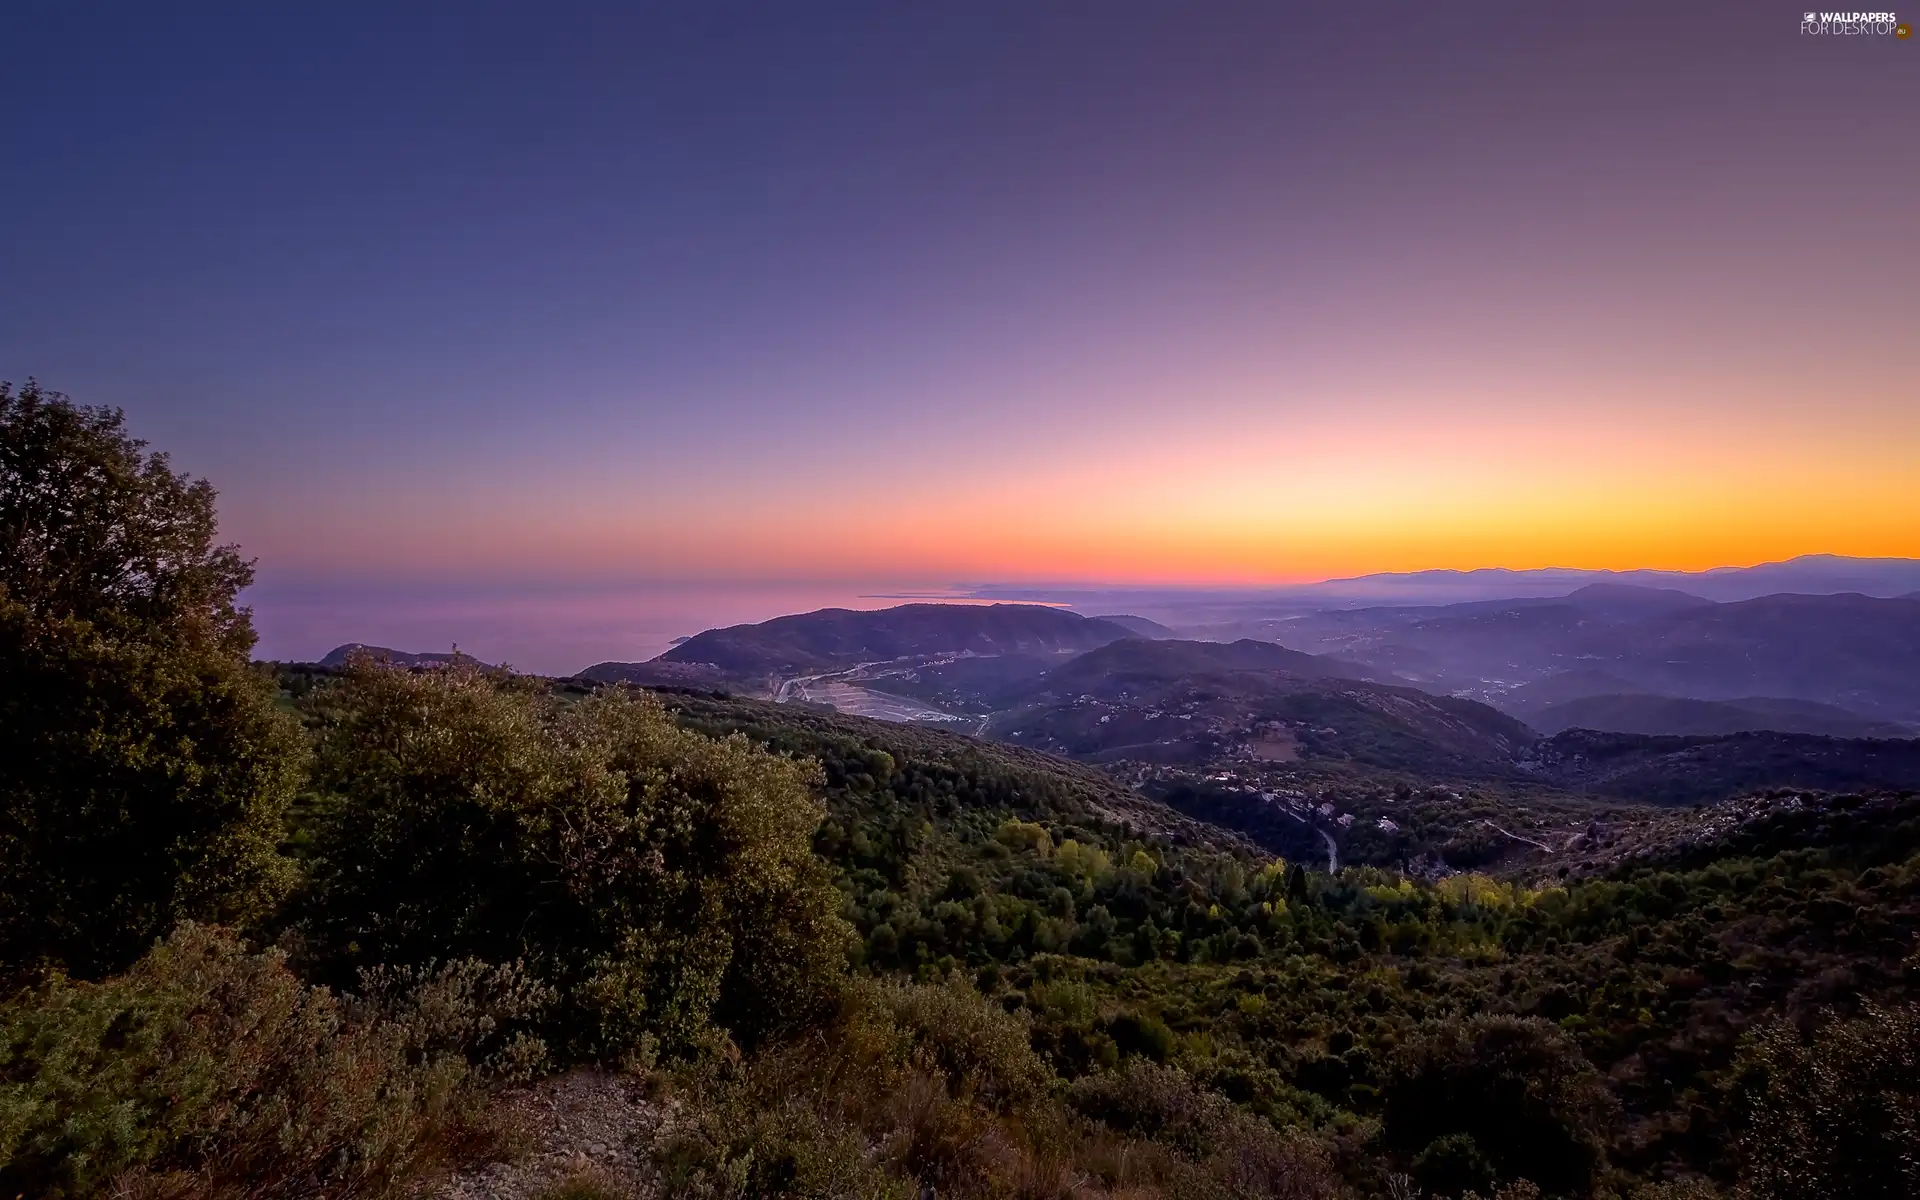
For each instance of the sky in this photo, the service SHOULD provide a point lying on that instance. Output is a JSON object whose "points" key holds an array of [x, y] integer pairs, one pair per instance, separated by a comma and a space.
{"points": [[549, 304]]}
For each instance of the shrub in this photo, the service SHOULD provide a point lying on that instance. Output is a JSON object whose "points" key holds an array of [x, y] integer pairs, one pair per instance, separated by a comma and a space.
{"points": [[1224, 1150], [904, 1085], [864, 1107], [1156, 1102], [1503, 1095], [479, 1011], [1453, 1164], [657, 880], [1678, 1189], [211, 1072], [978, 1048], [801, 1119], [1142, 1034], [1836, 1114], [733, 1149], [1519, 1190]]}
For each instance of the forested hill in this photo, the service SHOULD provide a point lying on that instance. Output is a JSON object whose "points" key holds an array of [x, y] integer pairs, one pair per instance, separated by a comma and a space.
{"points": [[1148, 664], [1859, 652], [1688, 770], [1139, 626], [835, 638], [945, 776], [1640, 713], [1855, 652], [1623, 999], [1194, 703]]}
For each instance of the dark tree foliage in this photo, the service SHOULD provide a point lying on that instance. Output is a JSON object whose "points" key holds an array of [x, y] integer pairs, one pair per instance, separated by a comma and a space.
{"points": [[144, 770], [1834, 1115], [657, 879], [1512, 1096], [94, 528]]}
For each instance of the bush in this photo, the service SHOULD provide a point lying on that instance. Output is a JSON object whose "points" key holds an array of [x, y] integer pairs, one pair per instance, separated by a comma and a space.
{"points": [[866, 1107], [1145, 1035], [978, 1048], [657, 880], [802, 1119], [734, 1149], [1678, 1189], [1453, 1164], [481, 1012], [144, 770], [1160, 1103], [210, 1072], [1836, 1114], [1507, 1096], [1226, 1151]]}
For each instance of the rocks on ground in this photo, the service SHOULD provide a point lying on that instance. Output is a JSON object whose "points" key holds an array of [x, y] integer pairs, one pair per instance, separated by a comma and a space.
{"points": [[584, 1127]]}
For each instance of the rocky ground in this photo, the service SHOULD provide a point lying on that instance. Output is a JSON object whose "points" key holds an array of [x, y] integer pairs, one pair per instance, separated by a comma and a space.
{"points": [[588, 1129]]}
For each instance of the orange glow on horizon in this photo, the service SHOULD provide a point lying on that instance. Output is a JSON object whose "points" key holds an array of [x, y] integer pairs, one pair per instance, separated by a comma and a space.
{"points": [[1272, 501]]}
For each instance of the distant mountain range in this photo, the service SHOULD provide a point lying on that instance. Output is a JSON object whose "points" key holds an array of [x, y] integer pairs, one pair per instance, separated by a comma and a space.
{"points": [[1614, 651], [1811, 574], [1367, 686], [1686, 770], [1364, 731], [1852, 662], [1850, 651], [1814, 574], [1645, 693]]}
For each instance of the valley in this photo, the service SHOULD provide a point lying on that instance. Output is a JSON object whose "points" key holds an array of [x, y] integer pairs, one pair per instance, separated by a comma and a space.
{"points": [[841, 691], [1335, 748]]}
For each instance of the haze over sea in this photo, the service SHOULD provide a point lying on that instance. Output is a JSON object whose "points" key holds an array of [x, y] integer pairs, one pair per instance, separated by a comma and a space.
{"points": [[558, 625], [550, 629]]}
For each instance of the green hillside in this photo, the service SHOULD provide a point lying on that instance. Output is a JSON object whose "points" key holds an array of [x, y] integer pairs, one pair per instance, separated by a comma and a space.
{"points": [[1295, 993]]}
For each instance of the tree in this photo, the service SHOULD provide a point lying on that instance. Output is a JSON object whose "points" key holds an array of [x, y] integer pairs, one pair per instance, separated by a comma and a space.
{"points": [[657, 879], [1297, 885], [144, 770]]}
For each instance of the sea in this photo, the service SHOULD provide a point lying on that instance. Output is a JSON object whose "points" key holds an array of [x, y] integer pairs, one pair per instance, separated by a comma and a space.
{"points": [[540, 627]]}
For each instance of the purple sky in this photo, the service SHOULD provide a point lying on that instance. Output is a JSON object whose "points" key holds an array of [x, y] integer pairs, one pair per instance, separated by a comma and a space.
{"points": [[556, 299]]}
